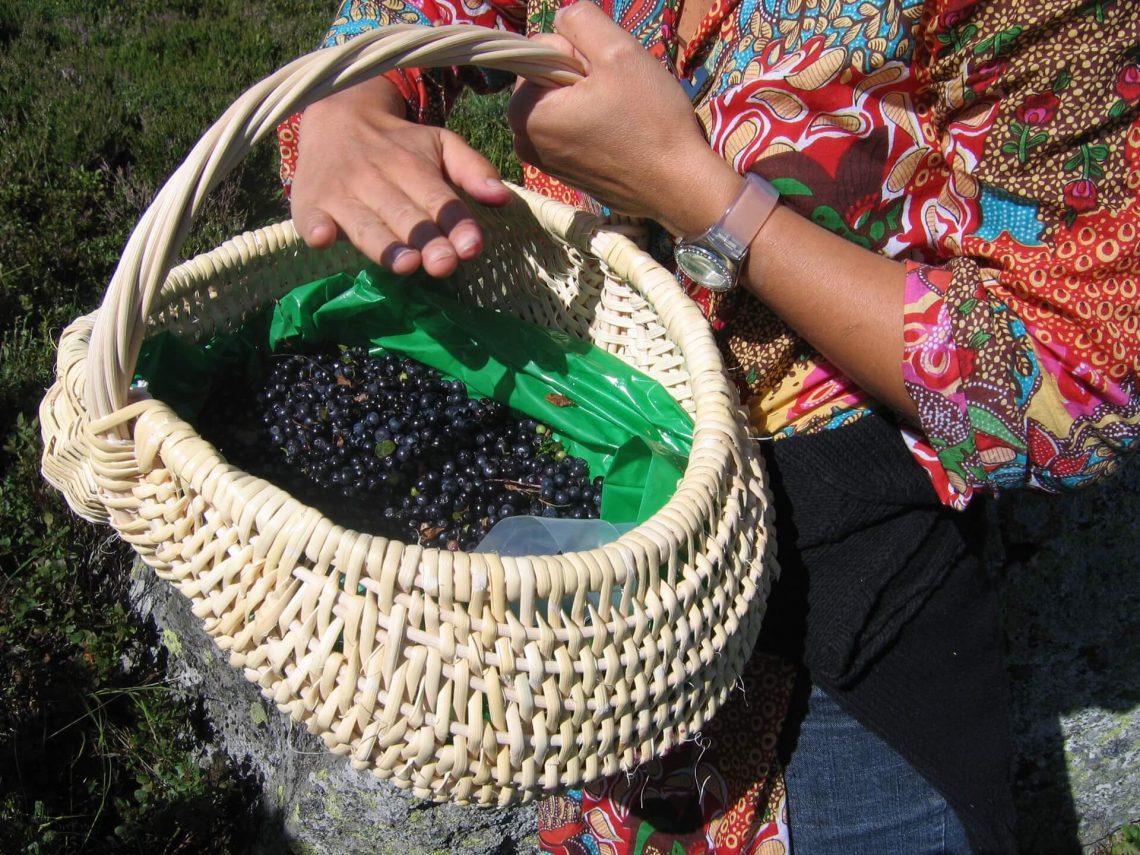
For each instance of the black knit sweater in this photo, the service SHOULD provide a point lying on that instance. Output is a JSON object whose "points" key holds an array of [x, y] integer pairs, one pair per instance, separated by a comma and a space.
{"points": [[885, 601]]}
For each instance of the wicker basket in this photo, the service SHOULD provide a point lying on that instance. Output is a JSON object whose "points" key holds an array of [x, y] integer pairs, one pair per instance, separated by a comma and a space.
{"points": [[469, 677]]}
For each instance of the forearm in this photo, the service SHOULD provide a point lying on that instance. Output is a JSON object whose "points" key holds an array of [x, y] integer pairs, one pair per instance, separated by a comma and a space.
{"points": [[846, 301]]}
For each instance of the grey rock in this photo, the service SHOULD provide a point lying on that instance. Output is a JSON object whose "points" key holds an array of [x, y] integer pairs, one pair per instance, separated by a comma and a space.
{"points": [[1071, 597], [312, 802]]}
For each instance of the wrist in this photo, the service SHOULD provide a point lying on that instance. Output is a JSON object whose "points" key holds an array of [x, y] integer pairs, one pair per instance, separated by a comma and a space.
{"points": [[706, 189], [714, 257], [378, 97]]}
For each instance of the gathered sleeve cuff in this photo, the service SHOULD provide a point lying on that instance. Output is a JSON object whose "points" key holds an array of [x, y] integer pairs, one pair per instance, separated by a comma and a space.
{"points": [[1022, 334], [1009, 399]]}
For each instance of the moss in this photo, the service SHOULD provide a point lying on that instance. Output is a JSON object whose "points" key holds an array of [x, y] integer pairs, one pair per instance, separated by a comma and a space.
{"points": [[172, 643], [300, 847], [332, 808]]}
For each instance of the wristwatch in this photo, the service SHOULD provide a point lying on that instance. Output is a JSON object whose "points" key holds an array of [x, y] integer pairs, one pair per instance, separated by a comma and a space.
{"points": [[713, 259]]}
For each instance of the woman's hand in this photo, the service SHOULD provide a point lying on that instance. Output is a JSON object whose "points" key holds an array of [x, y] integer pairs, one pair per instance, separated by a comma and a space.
{"points": [[387, 184], [626, 134]]}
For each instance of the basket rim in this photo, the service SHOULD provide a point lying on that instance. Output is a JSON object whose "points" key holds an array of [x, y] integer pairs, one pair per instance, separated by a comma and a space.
{"points": [[638, 605], [580, 228]]}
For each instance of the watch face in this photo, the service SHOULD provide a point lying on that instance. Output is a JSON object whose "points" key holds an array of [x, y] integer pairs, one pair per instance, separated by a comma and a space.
{"points": [[704, 267]]}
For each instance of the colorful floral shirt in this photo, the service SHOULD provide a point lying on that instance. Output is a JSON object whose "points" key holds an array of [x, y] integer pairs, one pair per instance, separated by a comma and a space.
{"points": [[995, 148]]}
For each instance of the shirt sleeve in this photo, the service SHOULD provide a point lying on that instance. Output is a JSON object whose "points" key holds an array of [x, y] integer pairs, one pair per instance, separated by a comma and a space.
{"points": [[1021, 349], [428, 93]]}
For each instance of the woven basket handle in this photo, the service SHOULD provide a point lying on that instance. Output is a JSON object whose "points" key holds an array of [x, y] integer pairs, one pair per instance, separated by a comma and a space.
{"points": [[161, 231]]}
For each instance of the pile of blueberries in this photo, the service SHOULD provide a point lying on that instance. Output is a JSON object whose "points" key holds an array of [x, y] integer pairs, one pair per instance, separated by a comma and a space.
{"points": [[386, 445]]}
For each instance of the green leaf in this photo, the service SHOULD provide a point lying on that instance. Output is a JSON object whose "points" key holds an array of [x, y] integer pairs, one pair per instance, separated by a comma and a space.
{"points": [[967, 306], [945, 38], [894, 215], [1072, 163], [385, 448], [1037, 138], [827, 217], [1098, 152], [1117, 109], [542, 21], [1016, 128], [1062, 80], [644, 831], [1010, 148], [1095, 171], [791, 187], [978, 339], [988, 423], [257, 714]]}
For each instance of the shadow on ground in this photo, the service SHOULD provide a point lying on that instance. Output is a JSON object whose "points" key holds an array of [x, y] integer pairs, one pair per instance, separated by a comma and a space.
{"points": [[1071, 601]]}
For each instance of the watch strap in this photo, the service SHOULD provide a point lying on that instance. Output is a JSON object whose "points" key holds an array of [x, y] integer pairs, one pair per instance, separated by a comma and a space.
{"points": [[746, 215]]}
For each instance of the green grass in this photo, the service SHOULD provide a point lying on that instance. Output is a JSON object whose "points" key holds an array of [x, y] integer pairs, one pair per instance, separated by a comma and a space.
{"points": [[1126, 841], [98, 105]]}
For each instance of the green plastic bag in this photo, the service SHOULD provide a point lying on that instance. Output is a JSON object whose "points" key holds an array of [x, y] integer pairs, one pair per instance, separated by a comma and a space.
{"points": [[623, 423]]}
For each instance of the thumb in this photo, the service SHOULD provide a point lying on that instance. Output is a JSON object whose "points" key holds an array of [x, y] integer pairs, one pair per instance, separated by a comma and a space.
{"points": [[589, 30], [466, 168]]}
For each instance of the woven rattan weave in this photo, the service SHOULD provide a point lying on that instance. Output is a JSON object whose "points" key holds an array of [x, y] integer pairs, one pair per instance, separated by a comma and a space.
{"points": [[469, 677]]}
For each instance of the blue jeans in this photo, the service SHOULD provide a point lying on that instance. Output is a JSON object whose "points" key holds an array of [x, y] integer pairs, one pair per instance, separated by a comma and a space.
{"points": [[851, 793]]}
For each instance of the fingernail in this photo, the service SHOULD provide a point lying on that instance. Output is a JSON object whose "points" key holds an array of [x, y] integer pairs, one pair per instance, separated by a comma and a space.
{"points": [[438, 256], [397, 253], [494, 184], [466, 244]]}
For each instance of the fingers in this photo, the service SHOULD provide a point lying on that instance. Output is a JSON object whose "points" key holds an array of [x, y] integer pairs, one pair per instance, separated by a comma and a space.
{"points": [[389, 185], [519, 110], [464, 167], [468, 169], [562, 44], [372, 235], [589, 31], [407, 216], [317, 228]]}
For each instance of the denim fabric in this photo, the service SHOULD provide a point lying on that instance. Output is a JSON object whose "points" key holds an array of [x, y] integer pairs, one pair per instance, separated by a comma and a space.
{"points": [[851, 793]]}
